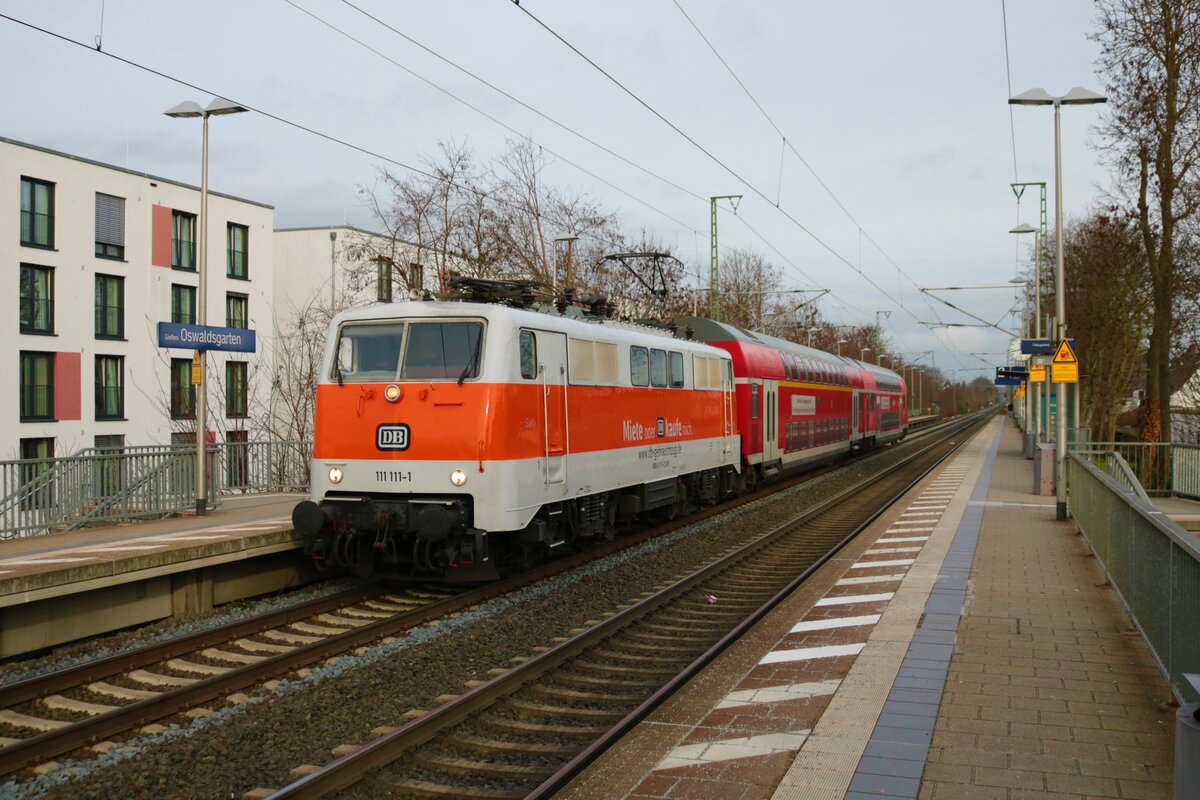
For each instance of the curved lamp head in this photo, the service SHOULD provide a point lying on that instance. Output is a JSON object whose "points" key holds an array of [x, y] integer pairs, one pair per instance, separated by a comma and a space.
{"points": [[187, 108]]}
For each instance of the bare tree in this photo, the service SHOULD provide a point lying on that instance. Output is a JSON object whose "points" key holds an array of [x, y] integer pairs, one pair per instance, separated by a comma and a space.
{"points": [[1151, 58], [1108, 297]]}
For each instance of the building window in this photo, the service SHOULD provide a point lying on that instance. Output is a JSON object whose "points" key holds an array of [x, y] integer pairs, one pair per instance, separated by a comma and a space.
{"points": [[36, 492], [183, 240], [37, 299], [416, 276], [235, 389], [110, 307], [110, 226], [237, 263], [237, 459], [383, 279], [37, 213], [183, 303], [183, 398], [37, 386], [110, 387], [237, 310]]}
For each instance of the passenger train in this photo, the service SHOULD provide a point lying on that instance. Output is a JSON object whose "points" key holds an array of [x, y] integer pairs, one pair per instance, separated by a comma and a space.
{"points": [[459, 440]]}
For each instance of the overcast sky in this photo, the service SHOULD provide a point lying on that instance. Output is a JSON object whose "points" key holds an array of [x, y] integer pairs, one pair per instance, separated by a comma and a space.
{"points": [[899, 107]]}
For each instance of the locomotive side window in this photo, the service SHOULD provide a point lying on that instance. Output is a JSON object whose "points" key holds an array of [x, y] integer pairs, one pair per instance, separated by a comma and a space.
{"points": [[443, 350], [639, 366], [528, 355], [369, 352], [658, 368], [706, 372], [676, 370]]}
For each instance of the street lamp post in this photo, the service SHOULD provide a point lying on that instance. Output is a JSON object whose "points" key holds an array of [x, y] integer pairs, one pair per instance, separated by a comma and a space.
{"points": [[186, 110], [1040, 97], [811, 331], [862, 356], [840, 342]]}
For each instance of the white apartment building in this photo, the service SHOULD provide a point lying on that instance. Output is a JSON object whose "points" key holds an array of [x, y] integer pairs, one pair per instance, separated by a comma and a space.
{"points": [[341, 266], [98, 255]]}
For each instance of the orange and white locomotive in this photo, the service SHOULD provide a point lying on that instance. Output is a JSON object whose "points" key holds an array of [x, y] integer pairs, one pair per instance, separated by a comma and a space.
{"points": [[452, 438]]}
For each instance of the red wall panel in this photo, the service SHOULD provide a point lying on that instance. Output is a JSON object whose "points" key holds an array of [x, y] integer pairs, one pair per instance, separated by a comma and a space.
{"points": [[160, 236], [66, 385]]}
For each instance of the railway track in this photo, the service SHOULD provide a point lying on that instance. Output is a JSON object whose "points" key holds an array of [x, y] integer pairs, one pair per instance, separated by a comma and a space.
{"points": [[529, 730], [63, 712]]}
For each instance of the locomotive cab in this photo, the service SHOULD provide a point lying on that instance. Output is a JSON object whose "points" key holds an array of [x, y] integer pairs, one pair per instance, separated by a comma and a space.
{"points": [[392, 477]]}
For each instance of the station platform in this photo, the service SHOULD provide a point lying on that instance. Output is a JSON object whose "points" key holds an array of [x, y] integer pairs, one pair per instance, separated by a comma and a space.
{"points": [[64, 586], [967, 646]]}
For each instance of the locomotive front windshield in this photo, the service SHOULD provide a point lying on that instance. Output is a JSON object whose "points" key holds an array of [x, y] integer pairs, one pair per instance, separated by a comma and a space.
{"points": [[377, 352]]}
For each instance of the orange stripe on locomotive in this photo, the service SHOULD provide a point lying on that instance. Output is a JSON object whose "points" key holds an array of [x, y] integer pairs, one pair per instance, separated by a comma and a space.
{"points": [[504, 422]]}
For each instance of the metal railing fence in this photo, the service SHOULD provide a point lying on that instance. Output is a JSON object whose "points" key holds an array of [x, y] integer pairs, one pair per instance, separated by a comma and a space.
{"points": [[102, 486], [1152, 563], [1151, 462]]}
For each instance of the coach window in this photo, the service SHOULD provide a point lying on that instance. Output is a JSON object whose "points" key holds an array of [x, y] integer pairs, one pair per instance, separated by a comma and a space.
{"points": [[639, 366], [528, 355], [676, 370], [658, 368]]}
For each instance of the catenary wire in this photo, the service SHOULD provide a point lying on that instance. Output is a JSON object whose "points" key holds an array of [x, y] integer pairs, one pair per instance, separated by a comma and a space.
{"points": [[787, 144], [720, 163]]}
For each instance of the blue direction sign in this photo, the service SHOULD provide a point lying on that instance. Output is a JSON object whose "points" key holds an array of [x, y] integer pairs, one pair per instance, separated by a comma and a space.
{"points": [[185, 336], [1003, 380], [1041, 347]]}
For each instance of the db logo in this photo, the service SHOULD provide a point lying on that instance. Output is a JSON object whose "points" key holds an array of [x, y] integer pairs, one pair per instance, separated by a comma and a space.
{"points": [[391, 436]]}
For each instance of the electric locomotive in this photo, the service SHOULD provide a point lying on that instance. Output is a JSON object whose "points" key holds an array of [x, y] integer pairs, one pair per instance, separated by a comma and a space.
{"points": [[458, 439]]}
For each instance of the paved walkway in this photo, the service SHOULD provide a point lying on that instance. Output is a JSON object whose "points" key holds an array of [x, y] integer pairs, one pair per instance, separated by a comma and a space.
{"points": [[1050, 692], [966, 647]]}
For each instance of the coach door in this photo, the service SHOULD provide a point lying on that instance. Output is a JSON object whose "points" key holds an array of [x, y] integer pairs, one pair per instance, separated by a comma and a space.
{"points": [[552, 370], [727, 407], [770, 421], [855, 428]]}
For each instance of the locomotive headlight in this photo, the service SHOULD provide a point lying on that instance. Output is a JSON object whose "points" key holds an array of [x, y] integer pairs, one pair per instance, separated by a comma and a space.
{"points": [[458, 477], [391, 393], [335, 475]]}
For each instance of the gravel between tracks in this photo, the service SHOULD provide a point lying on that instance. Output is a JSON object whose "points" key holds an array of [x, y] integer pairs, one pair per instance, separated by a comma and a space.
{"points": [[256, 744]]}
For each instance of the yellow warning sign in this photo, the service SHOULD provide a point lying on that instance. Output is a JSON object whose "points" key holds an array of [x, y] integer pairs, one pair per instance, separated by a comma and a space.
{"points": [[1065, 366], [1037, 374], [196, 368], [1020, 392]]}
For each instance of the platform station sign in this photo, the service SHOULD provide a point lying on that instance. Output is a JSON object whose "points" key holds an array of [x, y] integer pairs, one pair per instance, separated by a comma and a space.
{"points": [[1010, 376], [1041, 347], [1064, 368], [185, 336]]}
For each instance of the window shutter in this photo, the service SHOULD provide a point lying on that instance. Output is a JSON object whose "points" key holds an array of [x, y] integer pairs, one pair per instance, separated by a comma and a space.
{"points": [[110, 219]]}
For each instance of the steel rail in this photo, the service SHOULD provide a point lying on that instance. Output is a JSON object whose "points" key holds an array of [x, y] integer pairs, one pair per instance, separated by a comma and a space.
{"points": [[348, 769]]}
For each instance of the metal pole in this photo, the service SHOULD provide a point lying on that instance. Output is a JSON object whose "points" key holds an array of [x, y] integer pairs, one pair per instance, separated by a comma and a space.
{"points": [[1037, 334], [202, 319], [1060, 311], [714, 275], [333, 272], [570, 265]]}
